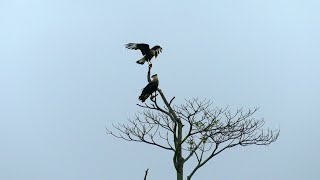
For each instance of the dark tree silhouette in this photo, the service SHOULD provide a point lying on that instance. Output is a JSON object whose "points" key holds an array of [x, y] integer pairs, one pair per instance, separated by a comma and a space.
{"points": [[196, 128]]}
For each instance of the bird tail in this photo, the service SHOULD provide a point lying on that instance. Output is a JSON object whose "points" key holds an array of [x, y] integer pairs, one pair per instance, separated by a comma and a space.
{"points": [[143, 97], [142, 60]]}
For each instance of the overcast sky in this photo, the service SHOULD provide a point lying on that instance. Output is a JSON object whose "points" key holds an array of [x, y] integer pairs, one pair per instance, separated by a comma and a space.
{"points": [[65, 76]]}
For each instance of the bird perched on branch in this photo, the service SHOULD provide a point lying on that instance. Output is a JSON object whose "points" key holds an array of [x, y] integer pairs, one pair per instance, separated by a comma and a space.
{"points": [[150, 88], [146, 51]]}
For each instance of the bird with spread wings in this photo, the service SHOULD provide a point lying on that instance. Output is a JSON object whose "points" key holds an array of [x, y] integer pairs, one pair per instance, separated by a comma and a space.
{"points": [[147, 53]]}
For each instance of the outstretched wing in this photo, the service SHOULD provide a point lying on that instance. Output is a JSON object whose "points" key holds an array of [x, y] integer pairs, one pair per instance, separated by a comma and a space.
{"points": [[144, 48], [156, 50]]}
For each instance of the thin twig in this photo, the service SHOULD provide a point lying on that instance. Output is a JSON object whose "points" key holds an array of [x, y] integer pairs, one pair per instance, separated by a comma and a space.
{"points": [[145, 176]]}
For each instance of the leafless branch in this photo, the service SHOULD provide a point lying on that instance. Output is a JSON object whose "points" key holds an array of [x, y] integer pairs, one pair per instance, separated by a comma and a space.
{"points": [[146, 173], [144, 130], [171, 100], [222, 129]]}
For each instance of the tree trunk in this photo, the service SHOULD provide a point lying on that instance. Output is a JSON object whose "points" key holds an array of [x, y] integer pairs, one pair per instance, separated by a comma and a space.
{"points": [[179, 164], [180, 160], [180, 175]]}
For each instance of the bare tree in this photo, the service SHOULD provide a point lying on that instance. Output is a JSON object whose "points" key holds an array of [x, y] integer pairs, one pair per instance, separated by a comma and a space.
{"points": [[195, 129]]}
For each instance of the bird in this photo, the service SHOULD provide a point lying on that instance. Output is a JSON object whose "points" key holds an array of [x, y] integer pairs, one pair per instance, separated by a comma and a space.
{"points": [[150, 88], [146, 51]]}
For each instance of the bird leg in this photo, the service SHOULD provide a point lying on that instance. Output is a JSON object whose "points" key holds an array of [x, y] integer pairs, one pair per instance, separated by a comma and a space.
{"points": [[153, 96], [150, 64]]}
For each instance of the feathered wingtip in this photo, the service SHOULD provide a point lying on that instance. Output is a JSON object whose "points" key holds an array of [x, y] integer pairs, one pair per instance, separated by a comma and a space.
{"points": [[131, 45], [157, 50]]}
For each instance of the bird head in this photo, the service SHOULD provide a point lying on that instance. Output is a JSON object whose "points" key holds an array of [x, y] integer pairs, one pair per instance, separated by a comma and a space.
{"points": [[154, 77]]}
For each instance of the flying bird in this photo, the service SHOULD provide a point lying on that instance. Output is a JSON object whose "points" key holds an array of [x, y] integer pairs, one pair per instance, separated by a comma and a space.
{"points": [[145, 50], [150, 88]]}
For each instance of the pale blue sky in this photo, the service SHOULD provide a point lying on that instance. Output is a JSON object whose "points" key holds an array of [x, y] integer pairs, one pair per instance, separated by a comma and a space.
{"points": [[65, 75]]}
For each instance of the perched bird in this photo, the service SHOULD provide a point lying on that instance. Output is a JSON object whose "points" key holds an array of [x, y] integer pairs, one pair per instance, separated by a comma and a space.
{"points": [[146, 51], [150, 88]]}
